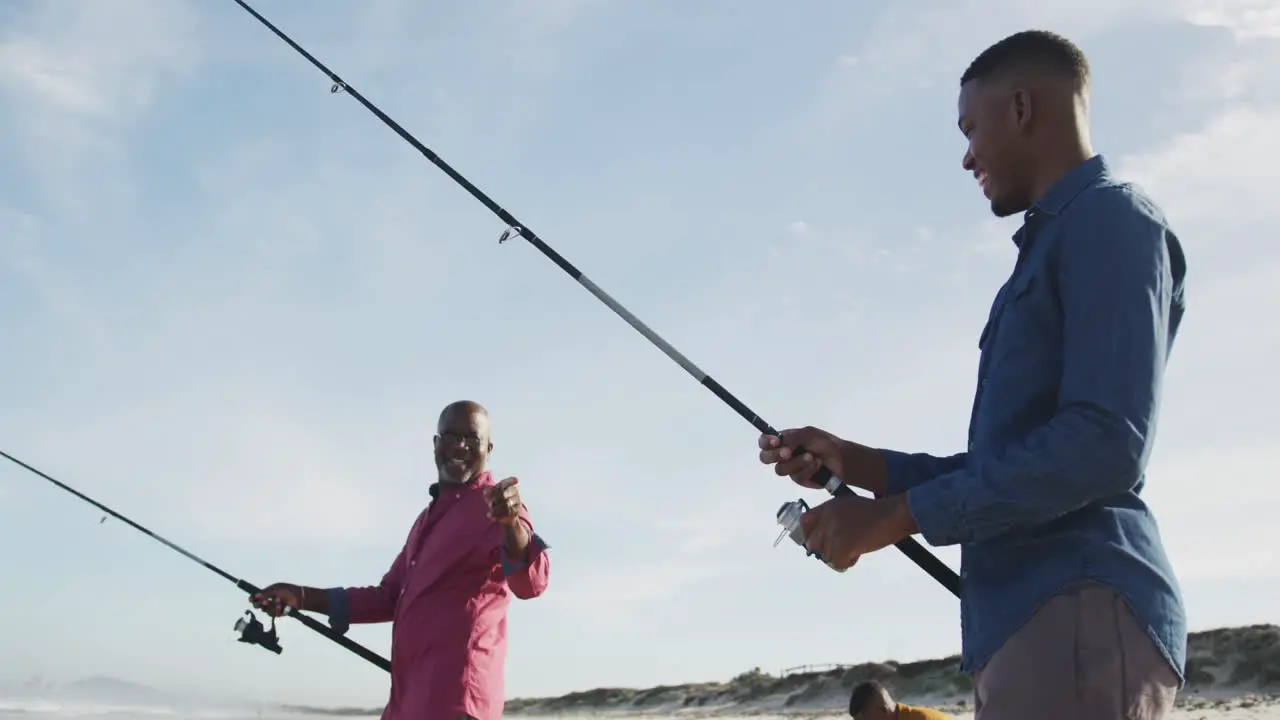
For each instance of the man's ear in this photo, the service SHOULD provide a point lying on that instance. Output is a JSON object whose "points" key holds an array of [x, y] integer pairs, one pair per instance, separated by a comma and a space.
{"points": [[1020, 109]]}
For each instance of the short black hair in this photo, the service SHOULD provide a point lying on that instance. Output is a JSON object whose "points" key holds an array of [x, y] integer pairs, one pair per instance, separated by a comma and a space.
{"points": [[1039, 47], [863, 695]]}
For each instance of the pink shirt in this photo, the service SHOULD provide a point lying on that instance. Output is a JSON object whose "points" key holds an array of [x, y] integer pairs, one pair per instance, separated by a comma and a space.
{"points": [[447, 595]]}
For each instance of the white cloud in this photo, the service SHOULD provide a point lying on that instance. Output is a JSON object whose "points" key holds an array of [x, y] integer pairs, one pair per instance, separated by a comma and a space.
{"points": [[73, 77], [1219, 179], [1247, 19], [910, 48]]}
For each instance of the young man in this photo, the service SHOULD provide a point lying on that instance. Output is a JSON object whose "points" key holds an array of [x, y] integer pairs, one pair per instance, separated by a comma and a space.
{"points": [[871, 701], [448, 590], [1069, 606]]}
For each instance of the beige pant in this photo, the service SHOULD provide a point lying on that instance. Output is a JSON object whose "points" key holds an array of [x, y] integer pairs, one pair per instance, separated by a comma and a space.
{"points": [[1082, 656]]}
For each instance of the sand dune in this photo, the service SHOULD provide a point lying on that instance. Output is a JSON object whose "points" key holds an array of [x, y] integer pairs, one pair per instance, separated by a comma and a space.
{"points": [[1232, 673], [1243, 710]]}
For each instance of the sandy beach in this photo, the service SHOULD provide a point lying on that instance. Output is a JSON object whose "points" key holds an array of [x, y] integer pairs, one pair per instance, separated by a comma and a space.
{"points": [[1224, 707], [1231, 673]]}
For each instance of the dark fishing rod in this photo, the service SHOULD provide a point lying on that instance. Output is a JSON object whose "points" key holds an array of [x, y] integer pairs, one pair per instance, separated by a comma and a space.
{"points": [[251, 629], [909, 547]]}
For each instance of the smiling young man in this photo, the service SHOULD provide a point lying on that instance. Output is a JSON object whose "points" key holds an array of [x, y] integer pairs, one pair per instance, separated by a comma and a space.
{"points": [[448, 590], [1069, 606]]}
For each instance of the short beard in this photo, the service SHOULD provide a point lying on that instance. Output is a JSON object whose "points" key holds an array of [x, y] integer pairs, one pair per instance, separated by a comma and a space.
{"points": [[464, 475]]}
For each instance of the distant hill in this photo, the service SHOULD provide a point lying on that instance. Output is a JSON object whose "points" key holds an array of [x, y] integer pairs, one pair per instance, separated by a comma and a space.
{"points": [[111, 691], [105, 690]]}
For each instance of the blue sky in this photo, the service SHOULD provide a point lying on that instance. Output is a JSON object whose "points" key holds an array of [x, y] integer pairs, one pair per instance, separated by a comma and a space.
{"points": [[233, 305]]}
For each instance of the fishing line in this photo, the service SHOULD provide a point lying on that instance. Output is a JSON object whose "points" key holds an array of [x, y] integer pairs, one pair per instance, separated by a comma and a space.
{"points": [[909, 547], [251, 629]]}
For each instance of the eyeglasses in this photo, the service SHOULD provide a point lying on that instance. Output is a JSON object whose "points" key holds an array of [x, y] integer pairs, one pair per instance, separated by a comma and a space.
{"points": [[472, 442]]}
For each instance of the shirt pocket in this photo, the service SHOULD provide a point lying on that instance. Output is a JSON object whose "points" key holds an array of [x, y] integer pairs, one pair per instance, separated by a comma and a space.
{"points": [[993, 316], [1020, 319]]}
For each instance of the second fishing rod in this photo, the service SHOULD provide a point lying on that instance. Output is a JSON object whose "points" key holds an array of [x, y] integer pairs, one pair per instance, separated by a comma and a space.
{"points": [[909, 547], [252, 631]]}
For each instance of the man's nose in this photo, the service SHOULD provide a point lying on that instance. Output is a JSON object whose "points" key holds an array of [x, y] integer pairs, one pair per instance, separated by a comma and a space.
{"points": [[967, 161]]}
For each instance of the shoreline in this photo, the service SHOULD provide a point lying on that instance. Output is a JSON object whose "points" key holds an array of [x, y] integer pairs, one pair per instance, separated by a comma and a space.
{"points": [[1228, 669]]}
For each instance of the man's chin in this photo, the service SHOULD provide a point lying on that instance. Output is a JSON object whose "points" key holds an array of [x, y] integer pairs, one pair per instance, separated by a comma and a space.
{"points": [[455, 474], [1003, 207]]}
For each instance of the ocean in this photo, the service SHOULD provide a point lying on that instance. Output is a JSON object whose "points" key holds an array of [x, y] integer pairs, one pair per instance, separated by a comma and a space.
{"points": [[20, 709]]}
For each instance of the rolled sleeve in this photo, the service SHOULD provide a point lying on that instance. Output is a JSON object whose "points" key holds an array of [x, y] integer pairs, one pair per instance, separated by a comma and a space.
{"points": [[339, 610], [904, 471], [939, 518], [529, 578], [511, 566]]}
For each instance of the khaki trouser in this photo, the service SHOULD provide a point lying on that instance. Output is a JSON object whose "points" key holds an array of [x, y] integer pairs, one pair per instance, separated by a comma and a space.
{"points": [[1082, 656]]}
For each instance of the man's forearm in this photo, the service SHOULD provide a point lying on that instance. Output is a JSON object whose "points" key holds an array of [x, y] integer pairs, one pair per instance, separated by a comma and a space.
{"points": [[863, 467], [314, 600], [516, 542]]}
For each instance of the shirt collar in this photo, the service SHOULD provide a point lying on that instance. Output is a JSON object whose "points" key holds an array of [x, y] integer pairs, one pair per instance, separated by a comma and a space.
{"points": [[1062, 192]]}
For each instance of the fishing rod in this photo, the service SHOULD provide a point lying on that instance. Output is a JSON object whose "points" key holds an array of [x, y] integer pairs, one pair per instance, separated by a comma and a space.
{"points": [[252, 631], [909, 547]]}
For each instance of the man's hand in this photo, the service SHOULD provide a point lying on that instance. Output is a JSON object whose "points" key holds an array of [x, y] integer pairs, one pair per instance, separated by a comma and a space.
{"points": [[504, 501], [855, 464], [277, 598], [819, 448], [504, 508], [845, 528]]}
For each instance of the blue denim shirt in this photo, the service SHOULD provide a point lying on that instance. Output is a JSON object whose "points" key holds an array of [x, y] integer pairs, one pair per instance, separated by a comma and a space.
{"points": [[1048, 494]]}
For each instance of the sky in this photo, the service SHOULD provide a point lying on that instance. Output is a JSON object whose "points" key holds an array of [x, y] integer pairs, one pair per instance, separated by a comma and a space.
{"points": [[233, 305]]}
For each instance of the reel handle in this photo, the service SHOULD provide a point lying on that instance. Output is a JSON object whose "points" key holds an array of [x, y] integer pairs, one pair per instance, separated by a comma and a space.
{"points": [[910, 547], [789, 518]]}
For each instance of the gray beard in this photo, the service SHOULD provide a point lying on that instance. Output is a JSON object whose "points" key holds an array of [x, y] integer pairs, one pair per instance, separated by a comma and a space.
{"points": [[455, 477]]}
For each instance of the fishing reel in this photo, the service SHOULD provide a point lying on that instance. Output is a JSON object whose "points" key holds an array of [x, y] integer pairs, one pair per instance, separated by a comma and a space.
{"points": [[253, 632], [789, 518]]}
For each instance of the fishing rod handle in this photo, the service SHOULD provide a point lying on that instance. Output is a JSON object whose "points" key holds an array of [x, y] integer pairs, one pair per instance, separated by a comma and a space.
{"points": [[910, 547], [824, 479], [315, 625], [328, 632]]}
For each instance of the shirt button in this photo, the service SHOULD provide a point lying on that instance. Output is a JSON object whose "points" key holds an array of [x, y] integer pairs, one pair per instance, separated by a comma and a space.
{"points": [[412, 563], [970, 447]]}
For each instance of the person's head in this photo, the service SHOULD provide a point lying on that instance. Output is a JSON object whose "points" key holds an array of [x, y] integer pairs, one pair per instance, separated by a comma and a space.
{"points": [[1024, 105], [462, 441], [871, 701]]}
